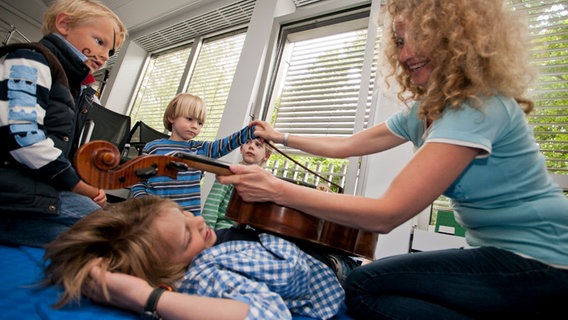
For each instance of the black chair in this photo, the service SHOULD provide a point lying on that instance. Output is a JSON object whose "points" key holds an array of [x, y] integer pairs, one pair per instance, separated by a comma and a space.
{"points": [[139, 135], [105, 124]]}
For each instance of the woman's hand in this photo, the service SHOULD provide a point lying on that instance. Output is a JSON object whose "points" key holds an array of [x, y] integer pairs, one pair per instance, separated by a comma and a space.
{"points": [[264, 130], [253, 183]]}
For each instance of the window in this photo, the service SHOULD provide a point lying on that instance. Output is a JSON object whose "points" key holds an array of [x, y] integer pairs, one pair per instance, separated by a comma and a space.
{"points": [[316, 89], [548, 21], [159, 85], [211, 77], [191, 65]]}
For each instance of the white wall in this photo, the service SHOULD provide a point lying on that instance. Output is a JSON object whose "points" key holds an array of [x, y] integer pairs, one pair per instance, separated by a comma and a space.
{"points": [[245, 86], [124, 78], [23, 22], [377, 172]]}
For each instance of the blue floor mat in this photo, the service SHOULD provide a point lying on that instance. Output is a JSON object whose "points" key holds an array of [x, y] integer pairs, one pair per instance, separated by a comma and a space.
{"points": [[21, 298], [20, 272]]}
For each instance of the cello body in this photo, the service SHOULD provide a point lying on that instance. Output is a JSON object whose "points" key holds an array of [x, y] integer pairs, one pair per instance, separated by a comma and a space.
{"points": [[292, 223]]}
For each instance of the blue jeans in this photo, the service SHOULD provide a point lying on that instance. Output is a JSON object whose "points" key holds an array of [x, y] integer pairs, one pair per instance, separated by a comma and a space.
{"points": [[486, 283], [36, 230]]}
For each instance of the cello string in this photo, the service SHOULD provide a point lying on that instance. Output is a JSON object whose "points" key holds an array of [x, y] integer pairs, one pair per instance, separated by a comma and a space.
{"points": [[339, 188]]}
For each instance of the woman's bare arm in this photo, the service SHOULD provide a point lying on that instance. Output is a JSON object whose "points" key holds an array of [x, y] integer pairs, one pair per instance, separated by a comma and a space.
{"points": [[372, 140], [426, 176]]}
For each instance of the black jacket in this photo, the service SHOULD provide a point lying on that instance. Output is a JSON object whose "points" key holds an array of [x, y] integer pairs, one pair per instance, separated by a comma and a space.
{"points": [[23, 187]]}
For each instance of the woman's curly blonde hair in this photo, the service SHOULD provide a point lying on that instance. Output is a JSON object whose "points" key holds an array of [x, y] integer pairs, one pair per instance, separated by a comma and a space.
{"points": [[477, 48]]}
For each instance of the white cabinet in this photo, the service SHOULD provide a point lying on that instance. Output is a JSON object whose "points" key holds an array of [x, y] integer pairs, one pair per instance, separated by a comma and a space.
{"points": [[423, 240]]}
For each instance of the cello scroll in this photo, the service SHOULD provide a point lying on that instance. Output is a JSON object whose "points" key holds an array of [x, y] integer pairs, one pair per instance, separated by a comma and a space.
{"points": [[98, 164]]}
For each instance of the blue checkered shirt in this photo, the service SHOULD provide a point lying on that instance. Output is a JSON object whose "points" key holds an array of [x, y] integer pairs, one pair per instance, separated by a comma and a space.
{"points": [[273, 276]]}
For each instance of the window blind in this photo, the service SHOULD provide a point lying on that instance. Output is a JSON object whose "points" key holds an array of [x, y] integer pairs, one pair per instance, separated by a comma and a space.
{"points": [[322, 79], [548, 27], [317, 86], [159, 85], [213, 76]]}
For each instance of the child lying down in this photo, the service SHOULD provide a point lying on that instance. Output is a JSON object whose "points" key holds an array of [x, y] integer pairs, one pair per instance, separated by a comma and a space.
{"points": [[148, 255]]}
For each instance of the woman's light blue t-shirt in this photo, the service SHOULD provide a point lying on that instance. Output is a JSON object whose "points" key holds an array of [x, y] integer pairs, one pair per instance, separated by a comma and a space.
{"points": [[505, 197]]}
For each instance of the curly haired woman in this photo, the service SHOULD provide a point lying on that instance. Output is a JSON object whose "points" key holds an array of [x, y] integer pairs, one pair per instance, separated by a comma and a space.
{"points": [[462, 69]]}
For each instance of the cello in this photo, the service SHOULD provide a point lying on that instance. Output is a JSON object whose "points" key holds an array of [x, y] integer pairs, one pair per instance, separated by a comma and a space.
{"points": [[98, 164]]}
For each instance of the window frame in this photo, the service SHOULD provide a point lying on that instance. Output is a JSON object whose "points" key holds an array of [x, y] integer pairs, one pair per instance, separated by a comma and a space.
{"points": [[184, 82], [357, 18]]}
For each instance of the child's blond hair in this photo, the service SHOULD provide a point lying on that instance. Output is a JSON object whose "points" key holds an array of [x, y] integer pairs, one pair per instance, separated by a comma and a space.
{"points": [[267, 152], [184, 105], [80, 11], [124, 236]]}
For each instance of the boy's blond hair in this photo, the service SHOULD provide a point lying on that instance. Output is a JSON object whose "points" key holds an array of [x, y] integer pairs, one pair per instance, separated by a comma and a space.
{"points": [[184, 105], [80, 11], [124, 235]]}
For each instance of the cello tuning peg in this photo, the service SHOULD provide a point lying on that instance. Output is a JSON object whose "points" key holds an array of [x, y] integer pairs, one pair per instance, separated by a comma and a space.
{"points": [[179, 166], [145, 173]]}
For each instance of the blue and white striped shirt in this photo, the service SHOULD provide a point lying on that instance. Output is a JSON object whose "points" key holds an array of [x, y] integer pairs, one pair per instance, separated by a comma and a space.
{"points": [[186, 189]]}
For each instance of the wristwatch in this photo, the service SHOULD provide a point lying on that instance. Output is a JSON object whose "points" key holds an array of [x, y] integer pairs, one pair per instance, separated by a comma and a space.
{"points": [[150, 312]]}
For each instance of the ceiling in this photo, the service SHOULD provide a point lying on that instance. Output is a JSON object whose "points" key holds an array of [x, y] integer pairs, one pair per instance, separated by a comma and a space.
{"points": [[135, 14], [155, 25]]}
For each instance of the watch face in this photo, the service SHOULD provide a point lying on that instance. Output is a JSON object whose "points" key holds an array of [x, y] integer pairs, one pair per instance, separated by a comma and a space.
{"points": [[150, 315]]}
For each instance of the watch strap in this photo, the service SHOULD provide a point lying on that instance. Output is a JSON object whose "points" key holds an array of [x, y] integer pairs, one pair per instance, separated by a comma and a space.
{"points": [[152, 303]]}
